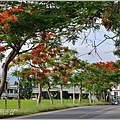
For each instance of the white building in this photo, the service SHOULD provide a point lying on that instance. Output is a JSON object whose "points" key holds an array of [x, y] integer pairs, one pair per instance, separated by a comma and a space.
{"points": [[10, 91], [115, 91]]}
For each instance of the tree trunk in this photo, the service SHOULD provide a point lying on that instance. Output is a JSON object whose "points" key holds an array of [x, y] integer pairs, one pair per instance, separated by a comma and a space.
{"points": [[5, 103], [39, 94], [101, 95], [4, 70], [80, 93], [105, 96], [98, 96], [73, 94], [18, 93], [61, 94], [3, 78], [90, 97], [51, 100], [93, 98]]}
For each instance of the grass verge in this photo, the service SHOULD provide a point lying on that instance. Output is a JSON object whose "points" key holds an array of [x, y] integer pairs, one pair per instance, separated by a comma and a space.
{"points": [[30, 106]]}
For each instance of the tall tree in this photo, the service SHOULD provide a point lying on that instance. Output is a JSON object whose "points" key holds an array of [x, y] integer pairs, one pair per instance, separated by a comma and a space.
{"points": [[100, 77], [23, 22]]}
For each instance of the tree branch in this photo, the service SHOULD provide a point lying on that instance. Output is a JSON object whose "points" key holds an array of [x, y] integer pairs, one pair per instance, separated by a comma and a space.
{"points": [[24, 51], [95, 46]]}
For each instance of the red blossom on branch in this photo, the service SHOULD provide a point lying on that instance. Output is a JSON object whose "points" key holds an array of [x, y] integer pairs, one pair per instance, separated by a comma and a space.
{"points": [[33, 72], [43, 55], [35, 11], [50, 34], [108, 65], [35, 54], [16, 9], [5, 16], [34, 62], [2, 48]]}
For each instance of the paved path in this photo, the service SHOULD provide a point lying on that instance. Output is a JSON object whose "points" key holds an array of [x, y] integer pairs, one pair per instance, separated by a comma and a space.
{"points": [[87, 112]]}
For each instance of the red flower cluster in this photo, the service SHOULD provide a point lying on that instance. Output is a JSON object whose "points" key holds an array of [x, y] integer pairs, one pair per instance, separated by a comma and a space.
{"points": [[35, 11], [36, 51], [50, 34], [33, 72], [52, 54], [47, 35], [45, 70], [16, 9], [43, 55], [5, 17], [33, 61], [109, 65], [2, 48]]}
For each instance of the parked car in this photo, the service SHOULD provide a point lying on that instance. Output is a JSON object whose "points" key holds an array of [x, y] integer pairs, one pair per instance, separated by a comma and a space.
{"points": [[114, 102]]}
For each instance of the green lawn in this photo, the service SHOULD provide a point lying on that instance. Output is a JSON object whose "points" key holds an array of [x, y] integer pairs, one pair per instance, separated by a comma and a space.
{"points": [[12, 104], [30, 106]]}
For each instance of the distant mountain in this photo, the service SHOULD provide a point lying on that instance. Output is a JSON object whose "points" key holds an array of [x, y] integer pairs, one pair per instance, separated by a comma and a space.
{"points": [[12, 78]]}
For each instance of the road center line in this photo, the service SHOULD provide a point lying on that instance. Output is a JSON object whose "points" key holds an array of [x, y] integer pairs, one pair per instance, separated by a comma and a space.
{"points": [[104, 109], [83, 115]]}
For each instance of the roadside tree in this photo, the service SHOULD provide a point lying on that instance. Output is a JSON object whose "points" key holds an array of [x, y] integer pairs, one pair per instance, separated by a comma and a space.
{"points": [[100, 77], [23, 22]]}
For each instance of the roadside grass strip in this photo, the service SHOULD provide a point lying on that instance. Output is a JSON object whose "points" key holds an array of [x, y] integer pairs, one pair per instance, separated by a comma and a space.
{"points": [[4, 112]]}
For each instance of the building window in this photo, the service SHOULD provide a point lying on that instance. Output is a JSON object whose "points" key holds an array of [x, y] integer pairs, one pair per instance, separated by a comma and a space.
{"points": [[11, 90], [116, 93]]}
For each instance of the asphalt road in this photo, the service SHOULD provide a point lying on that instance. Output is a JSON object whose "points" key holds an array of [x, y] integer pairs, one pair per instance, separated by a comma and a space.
{"points": [[87, 112]]}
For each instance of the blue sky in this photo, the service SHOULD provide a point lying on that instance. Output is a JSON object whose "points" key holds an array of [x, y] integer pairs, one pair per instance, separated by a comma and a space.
{"points": [[105, 50]]}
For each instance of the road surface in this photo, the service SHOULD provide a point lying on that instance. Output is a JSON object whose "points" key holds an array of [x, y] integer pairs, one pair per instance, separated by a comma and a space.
{"points": [[86, 112]]}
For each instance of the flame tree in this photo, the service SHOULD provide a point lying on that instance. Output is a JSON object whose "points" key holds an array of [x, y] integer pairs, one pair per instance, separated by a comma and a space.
{"points": [[78, 76], [21, 23], [44, 61], [100, 77]]}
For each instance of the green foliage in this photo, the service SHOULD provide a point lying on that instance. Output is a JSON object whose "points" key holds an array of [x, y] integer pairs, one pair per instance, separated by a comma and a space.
{"points": [[74, 16], [117, 45], [26, 87], [65, 18], [101, 77]]}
